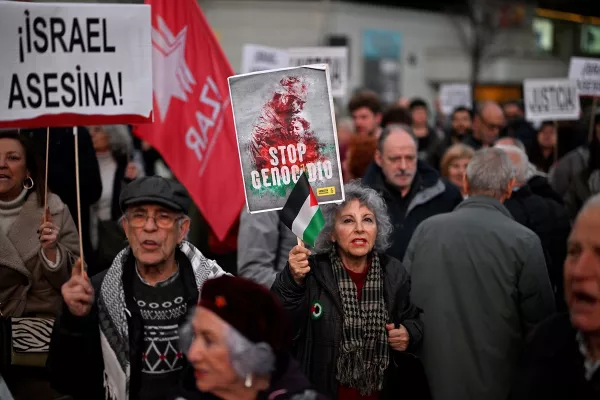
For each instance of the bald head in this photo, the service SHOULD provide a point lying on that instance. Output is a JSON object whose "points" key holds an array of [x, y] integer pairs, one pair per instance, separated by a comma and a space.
{"points": [[488, 123]]}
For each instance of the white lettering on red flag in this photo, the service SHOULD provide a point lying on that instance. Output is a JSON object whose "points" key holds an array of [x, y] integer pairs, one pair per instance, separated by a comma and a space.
{"points": [[194, 131]]}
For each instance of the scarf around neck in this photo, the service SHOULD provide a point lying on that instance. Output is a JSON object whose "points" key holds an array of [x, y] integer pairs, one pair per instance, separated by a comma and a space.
{"points": [[112, 317], [364, 350]]}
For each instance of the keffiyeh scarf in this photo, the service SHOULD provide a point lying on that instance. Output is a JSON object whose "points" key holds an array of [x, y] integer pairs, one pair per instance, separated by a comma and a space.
{"points": [[364, 351], [114, 332]]}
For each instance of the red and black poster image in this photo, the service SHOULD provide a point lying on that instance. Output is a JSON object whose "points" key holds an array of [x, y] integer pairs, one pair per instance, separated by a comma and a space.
{"points": [[285, 126]]}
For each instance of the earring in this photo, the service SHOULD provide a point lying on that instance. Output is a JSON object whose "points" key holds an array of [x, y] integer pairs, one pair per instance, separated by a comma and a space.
{"points": [[31, 183], [248, 382]]}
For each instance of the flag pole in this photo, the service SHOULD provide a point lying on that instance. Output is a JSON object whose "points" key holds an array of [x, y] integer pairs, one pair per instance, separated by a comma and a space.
{"points": [[300, 242], [77, 190], [592, 118], [46, 170]]}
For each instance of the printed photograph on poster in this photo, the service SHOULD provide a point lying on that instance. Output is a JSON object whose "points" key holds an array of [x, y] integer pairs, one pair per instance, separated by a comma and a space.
{"points": [[551, 99], [74, 64], [285, 125]]}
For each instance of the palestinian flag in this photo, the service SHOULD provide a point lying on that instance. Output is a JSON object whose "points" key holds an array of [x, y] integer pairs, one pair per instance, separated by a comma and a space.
{"points": [[301, 212]]}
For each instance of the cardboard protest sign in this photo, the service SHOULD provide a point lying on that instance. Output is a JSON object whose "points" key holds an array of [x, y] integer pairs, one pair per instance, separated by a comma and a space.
{"points": [[261, 58], [551, 99], [455, 95], [285, 125], [74, 64], [335, 57], [586, 71]]}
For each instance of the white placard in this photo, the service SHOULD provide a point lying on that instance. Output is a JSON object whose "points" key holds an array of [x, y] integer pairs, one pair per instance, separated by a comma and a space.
{"points": [[455, 95], [261, 58], [68, 64], [586, 71], [335, 57], [551, 99]]}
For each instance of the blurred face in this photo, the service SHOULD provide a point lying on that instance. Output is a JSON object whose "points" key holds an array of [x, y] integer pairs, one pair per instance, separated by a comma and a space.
{"points": [[398, 160], [355, 230], [461, 123], [99, 139], [546, 137], [489, 124], [153, 240], [209, 353], [366, 121], [13, 168], [582, 272], [457, 170], [419, 116], [512, 111]]}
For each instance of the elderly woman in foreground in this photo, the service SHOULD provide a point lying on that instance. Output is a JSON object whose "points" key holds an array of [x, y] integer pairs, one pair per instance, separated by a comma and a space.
{"points": [[349, 302]]}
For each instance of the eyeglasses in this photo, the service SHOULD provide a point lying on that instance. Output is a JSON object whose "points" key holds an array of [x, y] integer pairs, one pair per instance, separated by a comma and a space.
{"points": [[161, 220], [493, 127]]}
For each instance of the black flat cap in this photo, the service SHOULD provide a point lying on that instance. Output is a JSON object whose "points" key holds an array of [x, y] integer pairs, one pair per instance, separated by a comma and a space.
{"points": [[155, 190]]}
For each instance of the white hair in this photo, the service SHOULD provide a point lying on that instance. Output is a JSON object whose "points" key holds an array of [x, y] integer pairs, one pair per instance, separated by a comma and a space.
{"points": [[521, 167], [119, 138], [592, 202], [489, 172]]}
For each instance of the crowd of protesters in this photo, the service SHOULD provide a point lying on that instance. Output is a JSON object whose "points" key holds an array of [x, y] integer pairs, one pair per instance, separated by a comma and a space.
{"points": [[462, 264]]}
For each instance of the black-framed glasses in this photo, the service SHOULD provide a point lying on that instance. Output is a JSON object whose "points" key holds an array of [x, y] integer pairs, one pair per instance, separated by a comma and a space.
{"points": [[138, 219]]}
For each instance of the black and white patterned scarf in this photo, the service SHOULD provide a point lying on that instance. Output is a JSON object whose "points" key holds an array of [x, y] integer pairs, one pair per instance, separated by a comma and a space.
{"points": [[114, 332], [364, 351]]}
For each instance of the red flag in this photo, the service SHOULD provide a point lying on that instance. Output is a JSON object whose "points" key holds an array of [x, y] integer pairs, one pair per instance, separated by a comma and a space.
{"points": [[193, 128]]}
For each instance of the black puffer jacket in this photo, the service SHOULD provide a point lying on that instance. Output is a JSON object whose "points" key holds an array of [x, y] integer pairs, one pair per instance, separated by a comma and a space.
{"points": [[550, 221], [317, 341], [429, 196]]}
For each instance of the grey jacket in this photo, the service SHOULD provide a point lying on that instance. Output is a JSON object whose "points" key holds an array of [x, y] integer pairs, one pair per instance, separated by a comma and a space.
{"points": [[264, 244], [568, 168], [481, 280]]}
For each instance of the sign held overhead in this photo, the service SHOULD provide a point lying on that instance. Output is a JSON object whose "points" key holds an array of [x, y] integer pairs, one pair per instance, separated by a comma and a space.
{"points": [[335, 57], [260, 58], [586, 71], [455, 95], [551, 99], [74, 64]]}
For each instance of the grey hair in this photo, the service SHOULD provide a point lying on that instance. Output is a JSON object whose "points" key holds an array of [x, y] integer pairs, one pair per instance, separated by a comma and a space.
{"points": [[592, 202], [522, 167], [489, 172], [391, 128], [367, 197], [119, 138], [248, 358]]}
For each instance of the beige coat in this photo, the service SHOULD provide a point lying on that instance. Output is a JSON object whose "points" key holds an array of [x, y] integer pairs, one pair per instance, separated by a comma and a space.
{"points": [[28, 286]]}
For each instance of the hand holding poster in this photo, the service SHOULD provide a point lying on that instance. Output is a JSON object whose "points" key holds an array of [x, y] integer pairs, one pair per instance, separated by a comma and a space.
{"points": [[455, 95], [335, 57], [551, 99], [586, 71], [74, 64], [284, 124]]}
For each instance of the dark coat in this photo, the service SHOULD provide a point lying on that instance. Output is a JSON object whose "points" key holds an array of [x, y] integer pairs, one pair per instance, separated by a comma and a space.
{"points": [[578, 193], [550, 221], [553, 366], [75, 362], [317, 341], [287, 382], [539, 185], [431, 196]]}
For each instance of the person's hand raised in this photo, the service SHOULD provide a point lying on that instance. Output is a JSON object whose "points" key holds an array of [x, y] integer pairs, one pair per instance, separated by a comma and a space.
{"points": [[298, 261], [78, 292]]}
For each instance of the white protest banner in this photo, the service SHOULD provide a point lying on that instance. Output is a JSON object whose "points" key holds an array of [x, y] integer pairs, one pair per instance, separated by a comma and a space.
{"points": [[586, 71], [335, 57], [285, 125], [74, 64], [261, 58], [455, 95], [551, 99]]}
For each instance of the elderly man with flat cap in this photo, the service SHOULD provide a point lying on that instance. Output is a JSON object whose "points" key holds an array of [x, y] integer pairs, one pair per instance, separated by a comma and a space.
{"points": [[118, 334]]}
